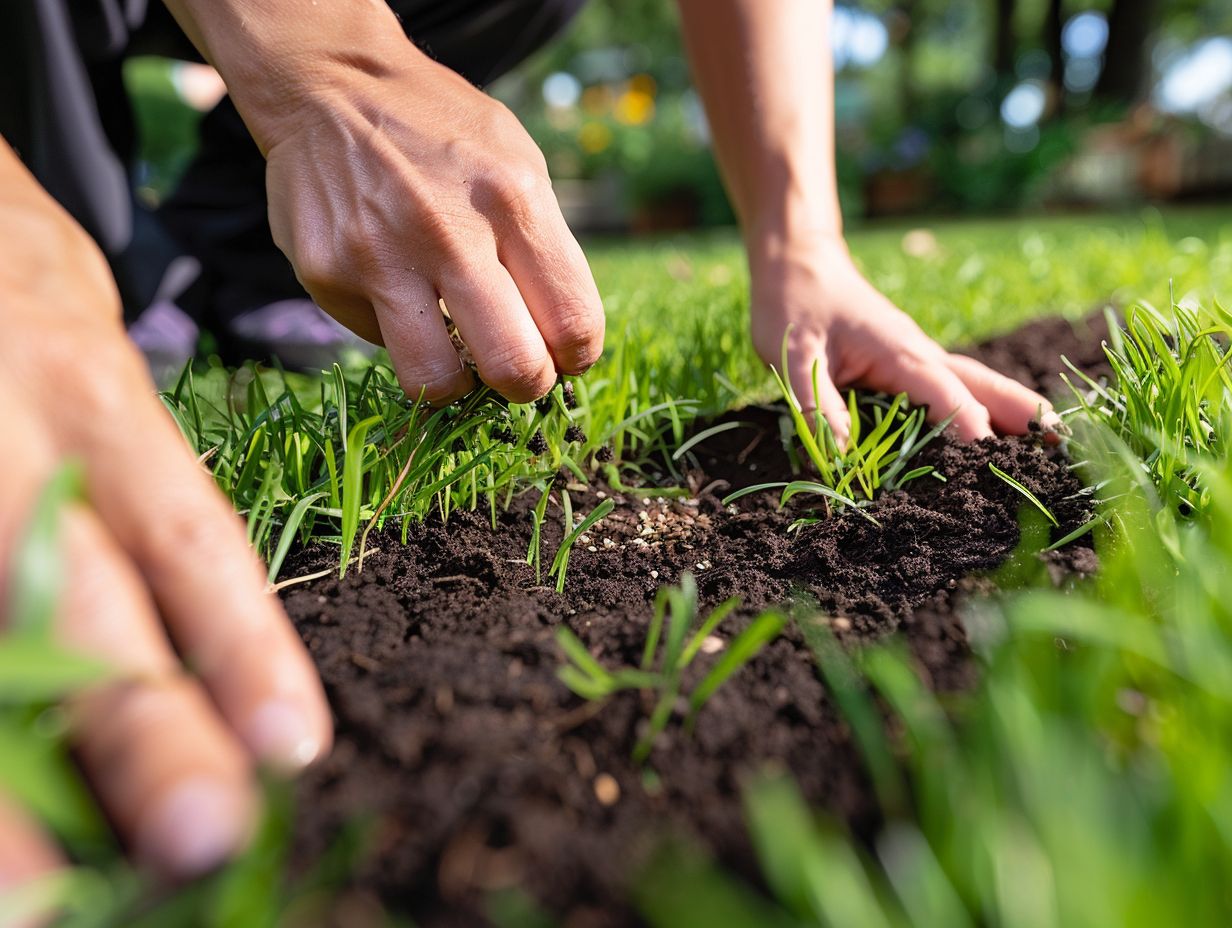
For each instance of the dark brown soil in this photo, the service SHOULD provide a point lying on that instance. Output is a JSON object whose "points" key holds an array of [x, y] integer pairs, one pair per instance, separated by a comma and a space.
{"points": [[1030, 354], [479, 771]]}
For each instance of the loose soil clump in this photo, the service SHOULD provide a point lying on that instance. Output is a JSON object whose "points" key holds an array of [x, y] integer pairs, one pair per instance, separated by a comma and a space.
{"points": [[480, 772]]}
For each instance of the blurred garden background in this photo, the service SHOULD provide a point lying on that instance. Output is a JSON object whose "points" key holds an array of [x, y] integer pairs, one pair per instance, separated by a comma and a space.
{"points": [[943, 108]]}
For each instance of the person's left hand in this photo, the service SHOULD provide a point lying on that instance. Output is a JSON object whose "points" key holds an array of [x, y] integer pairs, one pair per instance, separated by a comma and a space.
{"points": [[807, 288]]}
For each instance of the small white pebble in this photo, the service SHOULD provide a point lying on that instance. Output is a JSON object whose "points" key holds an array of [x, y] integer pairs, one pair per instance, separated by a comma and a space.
{"points": [[701, 565], [600, 494], [608, 543], [712, 644], [841, 624], [585, 539], [591, 548], [654, 575]]}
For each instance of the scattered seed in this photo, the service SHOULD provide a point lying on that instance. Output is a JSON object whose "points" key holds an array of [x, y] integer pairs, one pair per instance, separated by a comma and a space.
{"points": [[607, 790], [654, 575], [591, 548], [712, 644], [841, 624]]}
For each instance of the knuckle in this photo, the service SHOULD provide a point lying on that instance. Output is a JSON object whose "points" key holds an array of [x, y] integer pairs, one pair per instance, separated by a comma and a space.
{"points": [[518, 373], [579, 330], [442, 236], [121, 380], [515, 191], [191, 534], [436, 386], [314, 270]]}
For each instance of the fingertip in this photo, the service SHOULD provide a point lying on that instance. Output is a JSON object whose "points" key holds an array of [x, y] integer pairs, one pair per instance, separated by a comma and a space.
{"points": [[195, 826], [288, 735], [972, 423]]}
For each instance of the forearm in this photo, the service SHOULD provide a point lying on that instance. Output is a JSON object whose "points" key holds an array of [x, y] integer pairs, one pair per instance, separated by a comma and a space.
{"points": [[764, 71], [280, 55]]}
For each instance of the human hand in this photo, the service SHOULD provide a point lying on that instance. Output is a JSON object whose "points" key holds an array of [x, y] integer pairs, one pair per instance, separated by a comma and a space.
{"points": [[807, 288], [207, 674], [391, 190]]}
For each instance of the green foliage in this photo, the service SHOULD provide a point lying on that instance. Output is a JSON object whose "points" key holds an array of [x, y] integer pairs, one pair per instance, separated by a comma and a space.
{"points": [[317, 457], [1171, 400], [1024, 492], [1083, 780], [666, 658], [560, 563], [885, 436]]}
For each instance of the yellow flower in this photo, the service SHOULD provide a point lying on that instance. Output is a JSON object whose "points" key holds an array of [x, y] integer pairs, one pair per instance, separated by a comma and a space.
{"points": [[594, 137], [635, 107]]}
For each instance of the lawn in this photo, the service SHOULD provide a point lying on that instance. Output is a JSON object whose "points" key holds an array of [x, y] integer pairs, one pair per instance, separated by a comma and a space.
{"points": [[580, 677]]}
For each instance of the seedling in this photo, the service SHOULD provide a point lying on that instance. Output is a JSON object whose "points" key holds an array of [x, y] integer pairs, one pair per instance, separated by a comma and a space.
{"points": [[885, 436], [560, 563], [662, 668]]}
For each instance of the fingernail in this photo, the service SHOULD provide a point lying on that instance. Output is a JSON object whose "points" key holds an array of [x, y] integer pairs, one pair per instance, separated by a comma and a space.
{"points": [[281, 734], [193, 829]]}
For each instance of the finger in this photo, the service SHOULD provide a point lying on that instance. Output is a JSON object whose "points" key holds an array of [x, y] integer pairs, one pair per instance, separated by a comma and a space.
{"points": [[351, 311], [495, 324], [1010, 405], [171, 776], [928, 381], [551, 272], [141, 771], [419, 346], [26, 854], [803, 356], [190, 548]]}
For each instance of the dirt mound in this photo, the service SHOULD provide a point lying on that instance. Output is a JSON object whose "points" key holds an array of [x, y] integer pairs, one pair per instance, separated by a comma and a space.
{"points": [[480, 771]]}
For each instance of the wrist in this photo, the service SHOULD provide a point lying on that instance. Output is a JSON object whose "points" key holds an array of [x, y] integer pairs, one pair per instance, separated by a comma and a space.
{"points": [[295, 59], [792, 223]]}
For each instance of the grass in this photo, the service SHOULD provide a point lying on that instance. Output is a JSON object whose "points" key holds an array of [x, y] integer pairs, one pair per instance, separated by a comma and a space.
{"points": [[665, 658], [1093, 753], [1171, 402], [1083, 781]]}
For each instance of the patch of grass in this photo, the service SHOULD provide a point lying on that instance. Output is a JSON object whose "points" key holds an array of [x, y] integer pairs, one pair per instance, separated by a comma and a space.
{"points": [[885, 436], [1082, 781], [1171, 402], [665, 657], [304, 457]]}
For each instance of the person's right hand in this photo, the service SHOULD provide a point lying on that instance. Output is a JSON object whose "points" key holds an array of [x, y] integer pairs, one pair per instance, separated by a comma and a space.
{"points": [[159, 575], [390, 191], [394, 183]]}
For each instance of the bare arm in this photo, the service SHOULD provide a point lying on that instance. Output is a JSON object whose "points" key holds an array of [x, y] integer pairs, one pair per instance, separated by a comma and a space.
{"points": [[764, 69]]}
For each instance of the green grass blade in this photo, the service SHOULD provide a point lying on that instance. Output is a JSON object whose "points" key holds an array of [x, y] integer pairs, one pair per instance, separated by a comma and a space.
{"points": [[1027, 494], [763, 629], [288, 533]]}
